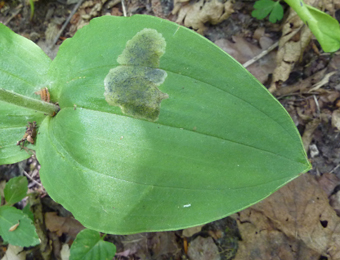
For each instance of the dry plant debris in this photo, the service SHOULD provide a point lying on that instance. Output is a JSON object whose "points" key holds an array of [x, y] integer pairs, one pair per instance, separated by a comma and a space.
{"points": [[295, 221], [195, 15], [61, 225]]}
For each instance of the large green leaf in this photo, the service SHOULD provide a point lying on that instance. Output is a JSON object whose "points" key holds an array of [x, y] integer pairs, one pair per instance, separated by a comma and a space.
{"points": [[220, 144], [23, 70]]}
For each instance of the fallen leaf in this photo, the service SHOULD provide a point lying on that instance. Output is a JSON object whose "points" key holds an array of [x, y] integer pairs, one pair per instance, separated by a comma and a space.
{"points": [[195, 15], [328, 182], [62, 225], [295, 37], [298, 217], [243, 51]]}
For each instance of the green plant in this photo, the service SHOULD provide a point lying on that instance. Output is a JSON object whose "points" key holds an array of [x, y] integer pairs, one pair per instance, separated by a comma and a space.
{"points": [[158, 128], [265, 7], [32, 8], [88, 245], [325, 28], [16, 227]]}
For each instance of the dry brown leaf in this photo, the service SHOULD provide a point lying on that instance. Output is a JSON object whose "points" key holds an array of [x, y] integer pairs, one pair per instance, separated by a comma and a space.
{"points": [[308, 133], [295, 37], [302, 86], [204, 11], [62, 225], [242, 51], [301, 211], [328, 182]]}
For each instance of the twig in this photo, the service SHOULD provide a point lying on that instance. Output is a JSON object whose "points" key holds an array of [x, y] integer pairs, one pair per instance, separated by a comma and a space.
{"points": [[264, 53], [124, 7], [28, 176], [66, 23]]}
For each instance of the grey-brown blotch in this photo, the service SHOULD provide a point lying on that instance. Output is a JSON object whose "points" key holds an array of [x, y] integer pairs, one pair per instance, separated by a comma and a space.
{"points": [[133, 86]]}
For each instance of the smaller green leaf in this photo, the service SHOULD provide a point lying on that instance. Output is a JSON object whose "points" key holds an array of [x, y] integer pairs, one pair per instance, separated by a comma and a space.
{"points": [[277, 13], [27, 211], [16, 228], [90, 246], [15, 190], [265, 7]]}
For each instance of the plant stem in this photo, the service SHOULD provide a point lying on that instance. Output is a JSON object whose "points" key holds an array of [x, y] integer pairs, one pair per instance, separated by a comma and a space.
{"points": [[24, 101]]}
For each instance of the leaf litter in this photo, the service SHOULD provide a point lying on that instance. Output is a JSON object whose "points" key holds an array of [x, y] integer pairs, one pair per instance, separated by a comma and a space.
{"points": [[301, 220]]}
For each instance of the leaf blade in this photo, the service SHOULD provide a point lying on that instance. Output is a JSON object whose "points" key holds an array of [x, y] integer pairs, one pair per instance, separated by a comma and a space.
{"points": [[15, 190], [220, 136]]}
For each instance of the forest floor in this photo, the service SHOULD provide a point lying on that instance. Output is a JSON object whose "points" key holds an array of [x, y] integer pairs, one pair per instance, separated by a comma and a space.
{"points": [[302, 219]]}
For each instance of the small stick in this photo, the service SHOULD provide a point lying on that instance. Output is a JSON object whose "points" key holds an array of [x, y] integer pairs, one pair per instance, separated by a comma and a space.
{"points": [[66, 23], [124, 8], [28, 176], [262, 54]]}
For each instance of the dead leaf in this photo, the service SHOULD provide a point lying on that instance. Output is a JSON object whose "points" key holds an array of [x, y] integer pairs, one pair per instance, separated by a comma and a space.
{"points": [[195, 15], [203, 249], [328, 182], [62, 225], [242, 51], [308, 133], [261, 240], [301, 212], [334, 201], [295, 38]]}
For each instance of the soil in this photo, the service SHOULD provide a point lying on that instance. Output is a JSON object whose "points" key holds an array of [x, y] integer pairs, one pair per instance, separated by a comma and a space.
{"points": [[313, 113]]}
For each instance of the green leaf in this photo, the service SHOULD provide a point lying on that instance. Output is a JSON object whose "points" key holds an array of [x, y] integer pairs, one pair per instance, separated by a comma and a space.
{"points": [[265, 7], [88, 245], [325, 28], [277, 13], [24, 234], [27, 211], [23, 70], [15, 190], [219, 143]]}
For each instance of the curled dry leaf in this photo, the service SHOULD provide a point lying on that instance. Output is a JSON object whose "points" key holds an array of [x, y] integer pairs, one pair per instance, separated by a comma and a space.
{"points": [[295, 37], [328, 182], [308, 133], [62, 225], [195, 15], [300, 212]]}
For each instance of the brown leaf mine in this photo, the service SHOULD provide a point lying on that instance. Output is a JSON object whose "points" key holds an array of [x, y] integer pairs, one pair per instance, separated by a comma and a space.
{"points": [[133, 86]]}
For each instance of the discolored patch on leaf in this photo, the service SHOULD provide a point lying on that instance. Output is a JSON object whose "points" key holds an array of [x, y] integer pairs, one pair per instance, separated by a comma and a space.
{"points": [[133, 86]]}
